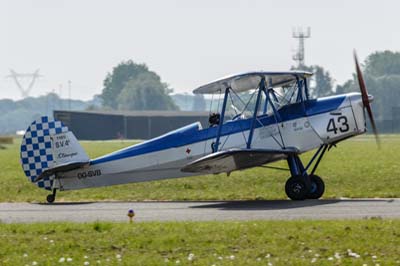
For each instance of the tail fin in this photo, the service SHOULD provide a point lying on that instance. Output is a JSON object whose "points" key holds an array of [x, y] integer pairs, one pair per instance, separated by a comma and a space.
{"points": [[49, 147]]}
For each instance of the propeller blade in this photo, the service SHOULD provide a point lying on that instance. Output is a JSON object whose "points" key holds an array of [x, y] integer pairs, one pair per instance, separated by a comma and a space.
{"points": [[365, 99]]}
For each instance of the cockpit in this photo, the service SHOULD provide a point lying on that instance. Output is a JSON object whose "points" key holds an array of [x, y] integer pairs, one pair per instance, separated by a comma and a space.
{"points": [[255, 94]]}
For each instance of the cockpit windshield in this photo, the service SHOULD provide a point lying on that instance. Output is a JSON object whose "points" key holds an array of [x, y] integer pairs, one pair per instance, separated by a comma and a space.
{"points": [[242, 105], [286, 95], [250, 93]]}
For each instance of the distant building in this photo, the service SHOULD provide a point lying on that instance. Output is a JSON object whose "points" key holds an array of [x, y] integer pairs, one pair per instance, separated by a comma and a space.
{"points": [[106, 125]]}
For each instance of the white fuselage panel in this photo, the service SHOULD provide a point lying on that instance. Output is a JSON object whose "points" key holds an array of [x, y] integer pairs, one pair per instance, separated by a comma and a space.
{"points": [[304, 134]]}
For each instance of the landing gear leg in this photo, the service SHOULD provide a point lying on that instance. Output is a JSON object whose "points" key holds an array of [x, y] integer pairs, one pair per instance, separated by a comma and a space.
{"points": [[51, 197], [302, 185], [298, 185], [317, 184]]}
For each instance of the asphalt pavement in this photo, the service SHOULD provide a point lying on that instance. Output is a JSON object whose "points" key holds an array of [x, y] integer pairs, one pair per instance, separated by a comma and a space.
{"points": [[200, 211]]}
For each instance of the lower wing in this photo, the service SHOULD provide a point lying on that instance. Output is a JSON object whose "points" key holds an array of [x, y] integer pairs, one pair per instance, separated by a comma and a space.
{"points": [[236, 159]]}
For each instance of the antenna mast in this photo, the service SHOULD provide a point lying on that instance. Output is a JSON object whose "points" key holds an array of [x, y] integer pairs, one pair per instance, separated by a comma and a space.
{"points": [[300, 35]]}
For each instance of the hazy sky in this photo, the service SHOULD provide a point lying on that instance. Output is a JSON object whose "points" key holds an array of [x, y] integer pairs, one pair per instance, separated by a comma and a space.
{"points": [[187, 43]]}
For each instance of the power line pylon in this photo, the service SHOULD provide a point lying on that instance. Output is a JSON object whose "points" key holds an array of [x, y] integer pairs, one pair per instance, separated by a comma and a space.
{"points": [[300, 53], [17, 79]]}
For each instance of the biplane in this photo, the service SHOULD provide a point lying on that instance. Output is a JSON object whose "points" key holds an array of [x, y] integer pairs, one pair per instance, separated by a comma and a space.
{"points": [[262, 117]]}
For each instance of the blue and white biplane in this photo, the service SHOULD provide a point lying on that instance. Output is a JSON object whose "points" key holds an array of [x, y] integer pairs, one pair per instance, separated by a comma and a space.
{"points": [[276, 121]]}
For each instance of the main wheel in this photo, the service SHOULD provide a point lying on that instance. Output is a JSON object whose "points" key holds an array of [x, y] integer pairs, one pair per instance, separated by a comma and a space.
{"points": [[296, 188], [50, 198], [317, 188]]}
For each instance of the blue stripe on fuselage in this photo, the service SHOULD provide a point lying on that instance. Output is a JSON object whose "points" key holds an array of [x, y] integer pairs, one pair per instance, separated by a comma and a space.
{"points": [[191, 134]]}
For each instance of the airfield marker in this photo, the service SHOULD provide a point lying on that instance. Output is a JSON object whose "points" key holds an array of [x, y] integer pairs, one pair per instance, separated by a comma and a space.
{"points": [[131, 214]]}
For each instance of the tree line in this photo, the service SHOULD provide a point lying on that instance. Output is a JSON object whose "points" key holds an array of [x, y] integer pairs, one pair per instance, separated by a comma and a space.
{"points": [[381, 71], [132, 86]]}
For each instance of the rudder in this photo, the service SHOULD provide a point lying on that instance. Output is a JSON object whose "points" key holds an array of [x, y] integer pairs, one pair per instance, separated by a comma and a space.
{"points": [[46, 145]]}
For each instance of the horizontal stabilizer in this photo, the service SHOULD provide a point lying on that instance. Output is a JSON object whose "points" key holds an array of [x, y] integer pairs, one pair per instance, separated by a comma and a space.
{"points": [[236, 159], [60, 168]]}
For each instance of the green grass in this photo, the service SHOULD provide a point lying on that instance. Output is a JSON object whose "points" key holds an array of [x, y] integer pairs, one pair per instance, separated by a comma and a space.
{"points": [[355, 169], [357, 242]]}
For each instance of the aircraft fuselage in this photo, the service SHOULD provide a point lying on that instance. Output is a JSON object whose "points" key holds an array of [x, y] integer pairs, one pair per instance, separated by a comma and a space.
{"points": [[305, 126]]}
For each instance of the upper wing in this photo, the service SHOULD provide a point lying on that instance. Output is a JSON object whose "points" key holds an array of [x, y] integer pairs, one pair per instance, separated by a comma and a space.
{"points": [[236, 159], [250, 81]]}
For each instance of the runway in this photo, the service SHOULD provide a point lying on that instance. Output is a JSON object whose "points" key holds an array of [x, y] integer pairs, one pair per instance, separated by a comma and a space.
{"points": [[201, 211]]}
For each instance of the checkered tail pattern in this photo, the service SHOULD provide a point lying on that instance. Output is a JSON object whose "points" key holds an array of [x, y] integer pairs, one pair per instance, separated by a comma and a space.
{"points": [[36, 149]]}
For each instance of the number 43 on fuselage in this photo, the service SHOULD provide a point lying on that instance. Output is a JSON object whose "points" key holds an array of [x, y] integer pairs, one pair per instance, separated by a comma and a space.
{"points": [[263, 117]]}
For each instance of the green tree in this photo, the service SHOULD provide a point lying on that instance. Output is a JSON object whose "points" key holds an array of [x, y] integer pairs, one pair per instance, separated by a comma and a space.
{"points": [[116, 81], [348, 86], [145, 92], [381, 71], [133, 86], [384, 63], [321, 82]]}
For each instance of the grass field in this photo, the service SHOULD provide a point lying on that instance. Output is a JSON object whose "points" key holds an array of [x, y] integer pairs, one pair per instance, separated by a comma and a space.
{"points": [[355, 169], [363, 242]]}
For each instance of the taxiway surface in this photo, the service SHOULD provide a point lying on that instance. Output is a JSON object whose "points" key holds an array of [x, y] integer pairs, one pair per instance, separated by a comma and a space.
{"points": [[201, 211]]}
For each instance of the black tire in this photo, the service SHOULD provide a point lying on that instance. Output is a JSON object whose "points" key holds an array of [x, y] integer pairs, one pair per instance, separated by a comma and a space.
{"points": [[296, 188], [50, 198], [317, 187]]}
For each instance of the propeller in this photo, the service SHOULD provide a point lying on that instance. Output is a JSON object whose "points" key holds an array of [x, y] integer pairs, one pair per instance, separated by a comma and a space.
{"points": [[365, 98]]}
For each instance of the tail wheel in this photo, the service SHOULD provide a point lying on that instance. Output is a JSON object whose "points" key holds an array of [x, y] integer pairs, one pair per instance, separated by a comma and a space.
{"points": [[296, 188], [50, 198], [317, 188]]}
